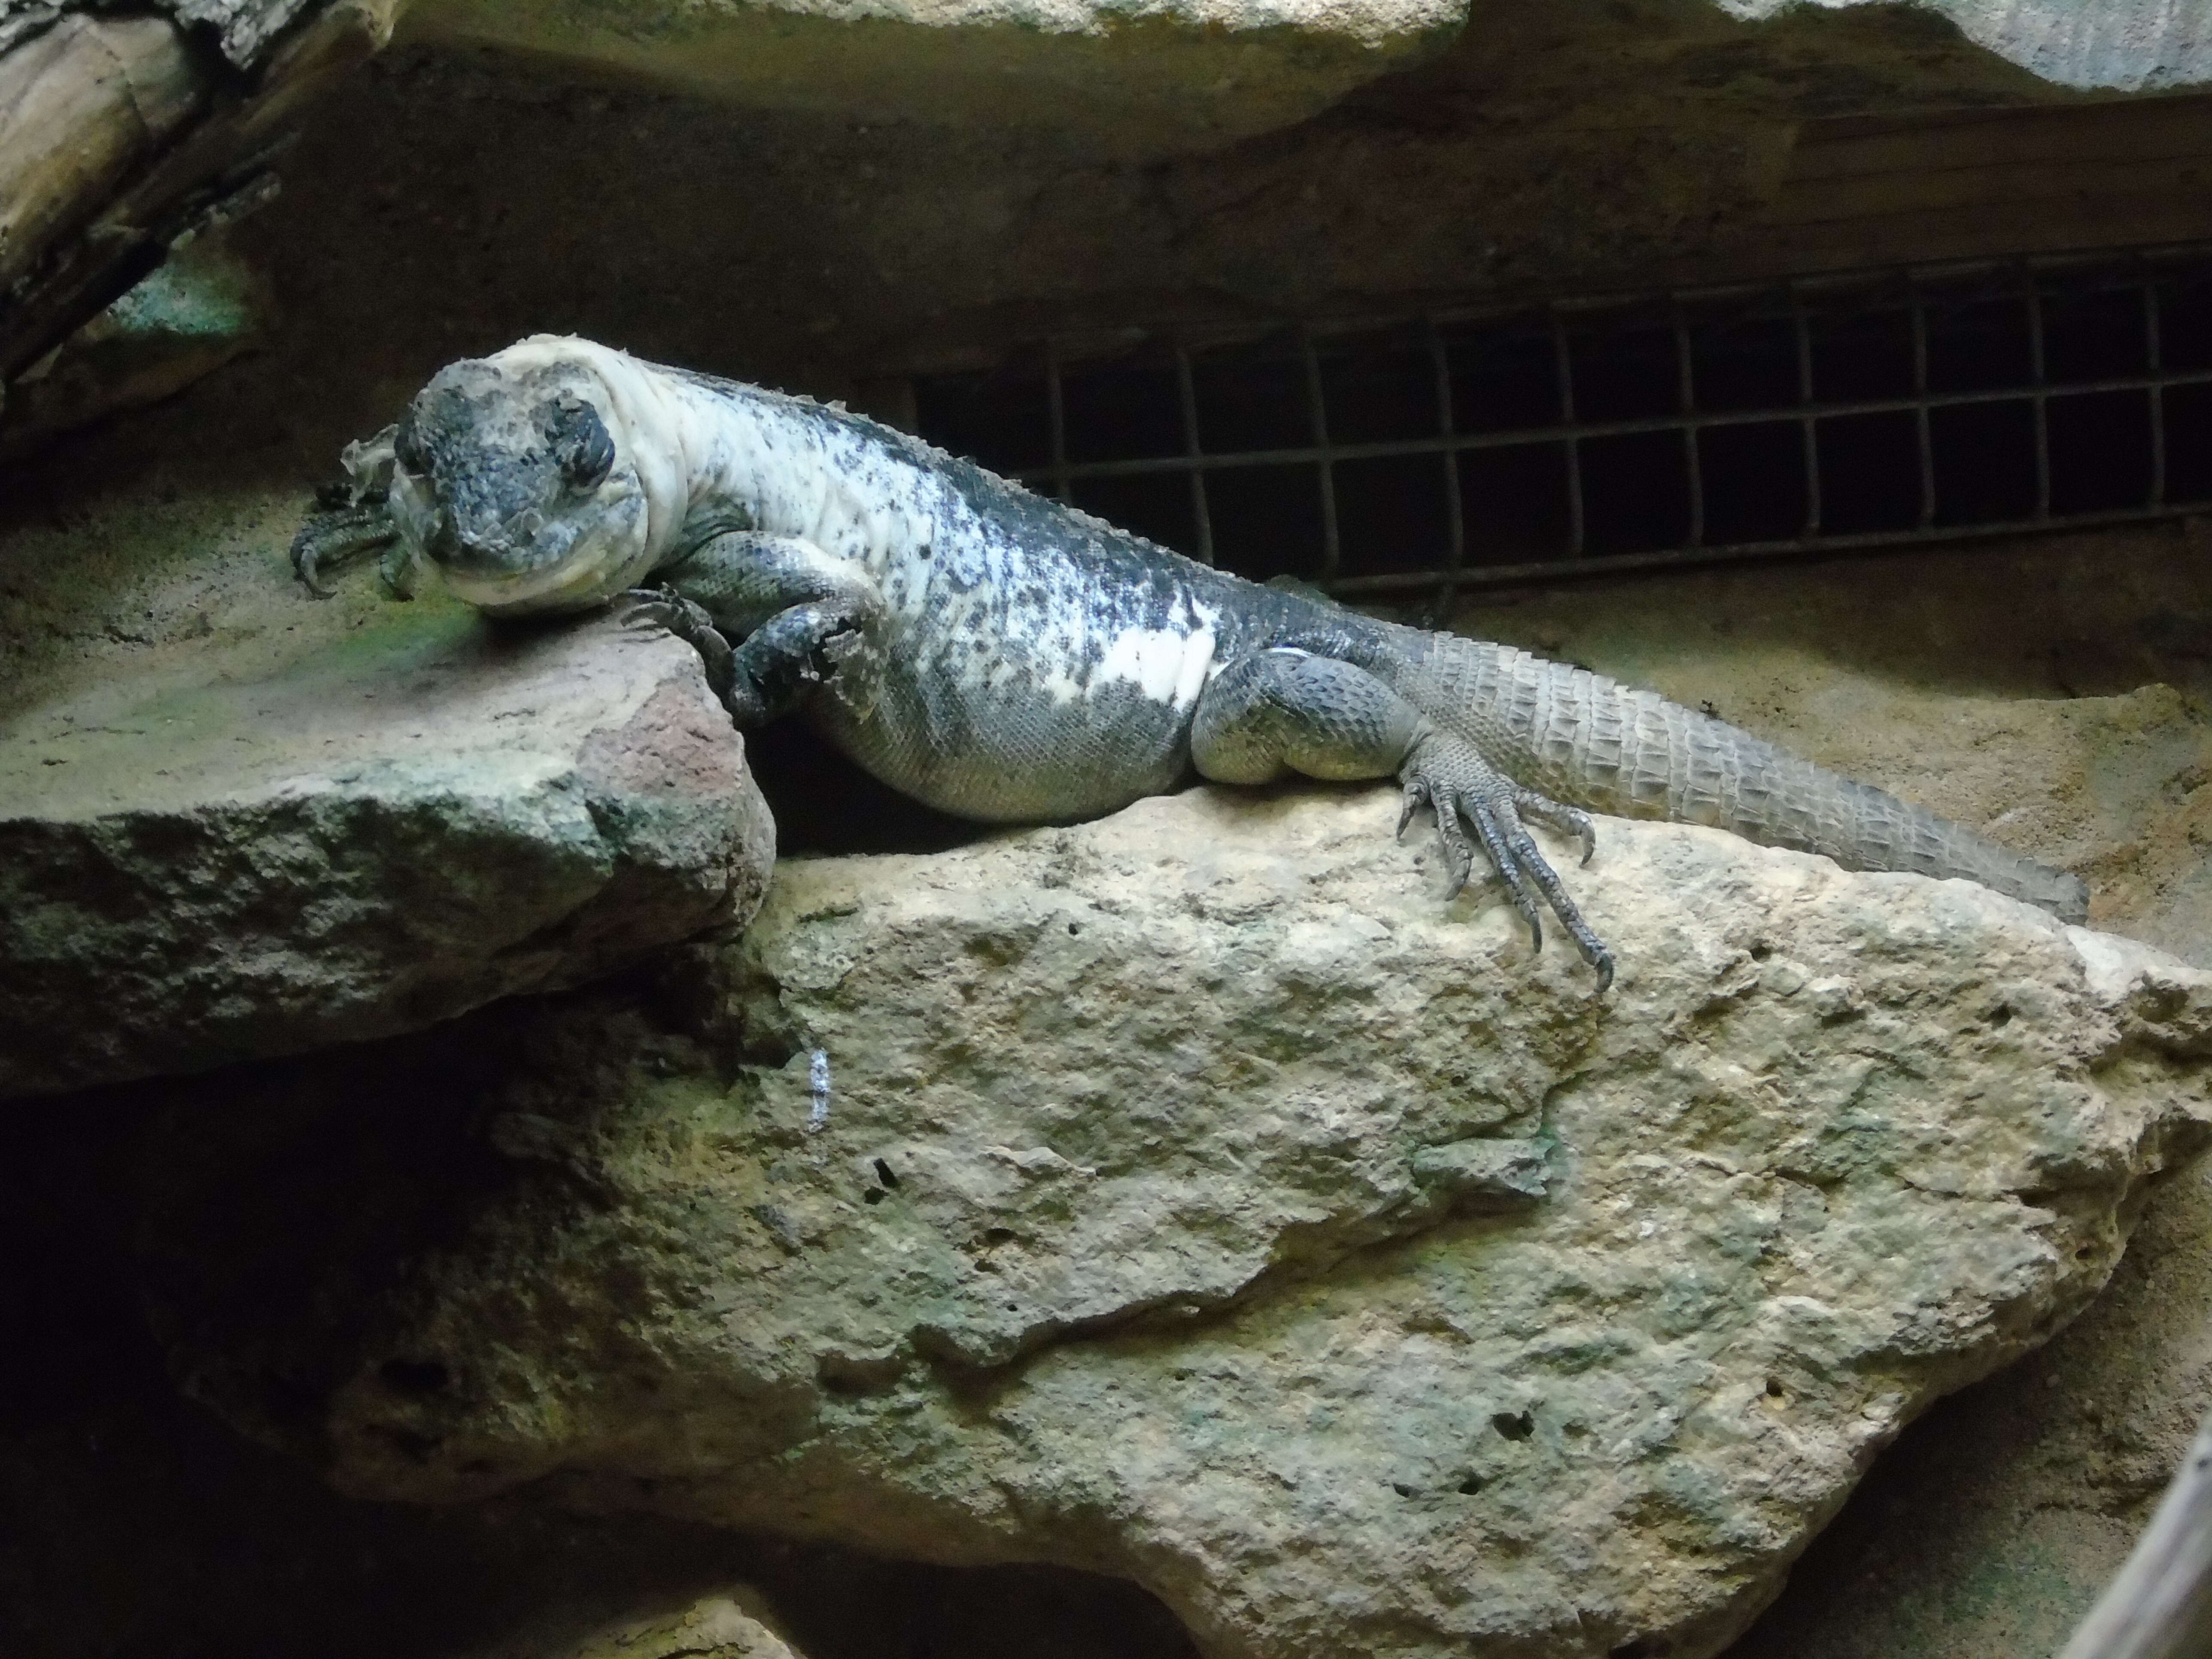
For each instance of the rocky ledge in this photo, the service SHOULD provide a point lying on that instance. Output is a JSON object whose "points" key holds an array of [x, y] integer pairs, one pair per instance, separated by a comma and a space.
{"points": [[1196, 1196], [259, 855]]}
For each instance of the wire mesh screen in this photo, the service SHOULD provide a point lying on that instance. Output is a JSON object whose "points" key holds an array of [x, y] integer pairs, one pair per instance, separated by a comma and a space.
{"points": [[1624, 431]]}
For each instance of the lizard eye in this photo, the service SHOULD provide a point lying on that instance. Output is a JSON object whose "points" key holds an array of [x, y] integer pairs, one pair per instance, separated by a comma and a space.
{"points": [[582, 447]]}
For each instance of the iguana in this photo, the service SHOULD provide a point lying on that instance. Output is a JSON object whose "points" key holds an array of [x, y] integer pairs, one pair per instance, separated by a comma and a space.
{"points": [[1005, 658]]}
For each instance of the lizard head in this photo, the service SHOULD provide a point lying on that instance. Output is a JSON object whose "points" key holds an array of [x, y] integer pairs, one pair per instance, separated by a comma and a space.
{"points": [[516, 476]]}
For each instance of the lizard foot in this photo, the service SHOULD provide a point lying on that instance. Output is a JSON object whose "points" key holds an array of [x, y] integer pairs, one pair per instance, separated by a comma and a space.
{"points": [[666, 609], [780, 662], [1462, 789], [333, 538]]}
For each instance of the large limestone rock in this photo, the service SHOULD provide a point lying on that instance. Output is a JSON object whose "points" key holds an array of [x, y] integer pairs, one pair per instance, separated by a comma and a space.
{"points": [[2133, 45], [1196, 1196], [249, 857], [1132, 79]]}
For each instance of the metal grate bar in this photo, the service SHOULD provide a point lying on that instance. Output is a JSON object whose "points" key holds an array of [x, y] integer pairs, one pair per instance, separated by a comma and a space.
{"points": [[1686, 389], [2100, 265], [1186, 398], [2095, 270], [1570, 432], [1323, 457], [1563, 365], [1454, 511], [2039, 368], [2092, 264], [1800, 332], [1808, 547], [1923, 436], [2156, 394]]}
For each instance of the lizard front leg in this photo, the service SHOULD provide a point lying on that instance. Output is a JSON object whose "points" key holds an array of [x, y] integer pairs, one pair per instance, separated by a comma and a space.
{"points": [[352, 517], [803, 618], [337, 536], [1281, 710]]}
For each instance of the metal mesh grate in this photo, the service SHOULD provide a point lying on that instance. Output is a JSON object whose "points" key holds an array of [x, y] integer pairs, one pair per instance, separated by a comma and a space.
{"points": [[1629, 431]]}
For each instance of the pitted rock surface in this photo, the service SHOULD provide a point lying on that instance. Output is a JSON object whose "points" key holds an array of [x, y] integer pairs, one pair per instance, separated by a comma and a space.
{"points": [[388, 828], [1196, 1196]]}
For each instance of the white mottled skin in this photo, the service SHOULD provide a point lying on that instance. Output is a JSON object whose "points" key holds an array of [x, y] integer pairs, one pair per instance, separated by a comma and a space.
{"points": [[946, 578], [1016, 660], [1084, 699]]}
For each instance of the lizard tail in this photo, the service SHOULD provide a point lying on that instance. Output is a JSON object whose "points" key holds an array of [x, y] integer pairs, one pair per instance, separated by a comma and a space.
{"points": [[1593, 742]]}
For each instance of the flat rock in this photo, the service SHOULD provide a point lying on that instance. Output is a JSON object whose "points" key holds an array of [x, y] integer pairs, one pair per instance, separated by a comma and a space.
{"points": [[262, 855], [1196, 1196], [1129, 80]]}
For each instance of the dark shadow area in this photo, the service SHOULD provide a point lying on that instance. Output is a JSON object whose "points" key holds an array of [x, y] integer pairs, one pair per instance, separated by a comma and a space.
{"points": [[138, 1525], [840, 1605], [822, 803], [1873, 1548], [135, 1525]]}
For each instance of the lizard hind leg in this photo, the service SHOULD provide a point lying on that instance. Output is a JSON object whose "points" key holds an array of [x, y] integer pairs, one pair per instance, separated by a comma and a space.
{"points": [[1283, 710]]}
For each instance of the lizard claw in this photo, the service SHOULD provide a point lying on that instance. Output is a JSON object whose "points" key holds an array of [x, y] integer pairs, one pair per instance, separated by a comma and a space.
{"points": [[1567, 820], [669, 611], [1416, 797], [659, 607], [1462, 788], [334, 539]]}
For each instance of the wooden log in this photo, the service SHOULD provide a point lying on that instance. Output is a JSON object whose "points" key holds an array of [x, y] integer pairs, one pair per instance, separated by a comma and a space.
{"points": [[84, 107], [2161, 1605], [120, 136]]}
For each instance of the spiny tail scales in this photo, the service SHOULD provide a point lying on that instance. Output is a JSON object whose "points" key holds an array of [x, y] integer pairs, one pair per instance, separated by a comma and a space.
{"points": [[1593, 742]]}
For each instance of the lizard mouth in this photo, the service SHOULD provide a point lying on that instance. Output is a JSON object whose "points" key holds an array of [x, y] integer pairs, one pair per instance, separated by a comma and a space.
{"points": [[539, 559], [520, 549]]}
